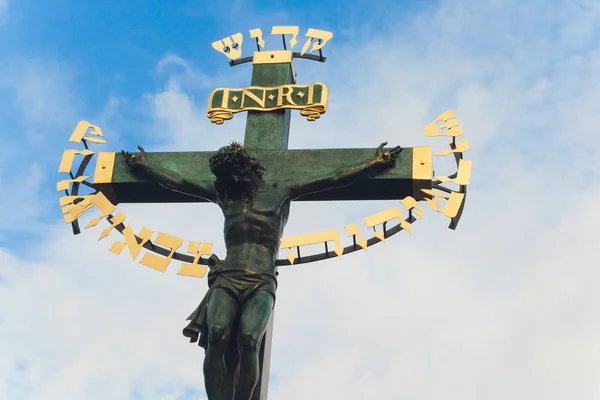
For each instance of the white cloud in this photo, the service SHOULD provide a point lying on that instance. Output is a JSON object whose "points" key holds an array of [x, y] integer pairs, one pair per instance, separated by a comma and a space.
{"points": [[39, 101], [501, 308]]}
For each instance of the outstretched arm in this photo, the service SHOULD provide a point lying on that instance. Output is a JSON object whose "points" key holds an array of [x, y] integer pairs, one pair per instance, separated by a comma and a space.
{"points": [[346, 175], [167, 178]]}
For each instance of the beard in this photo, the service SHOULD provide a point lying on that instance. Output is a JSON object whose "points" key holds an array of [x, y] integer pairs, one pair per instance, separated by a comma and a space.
{"points": [[238, 175], [233, 184]]}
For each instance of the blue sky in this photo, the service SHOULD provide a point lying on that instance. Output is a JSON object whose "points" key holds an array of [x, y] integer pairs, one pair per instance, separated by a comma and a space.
{"points": [[500, 308], [107, 53]]}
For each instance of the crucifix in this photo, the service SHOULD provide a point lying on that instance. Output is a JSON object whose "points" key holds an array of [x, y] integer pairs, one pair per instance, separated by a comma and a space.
{"points": [[254, 184]]}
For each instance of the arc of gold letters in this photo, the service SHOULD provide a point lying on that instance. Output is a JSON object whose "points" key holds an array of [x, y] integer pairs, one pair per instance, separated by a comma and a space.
{"points": [[354, 230], [448, 123], [461, 147], [463, 175], [318, 38], [74, 207], [384, 216], [312, 238], [445, 122], [195, 269]]}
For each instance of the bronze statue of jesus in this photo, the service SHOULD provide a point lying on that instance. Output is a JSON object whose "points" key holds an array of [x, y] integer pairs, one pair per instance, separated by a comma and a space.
{"points": [[242, 287]]}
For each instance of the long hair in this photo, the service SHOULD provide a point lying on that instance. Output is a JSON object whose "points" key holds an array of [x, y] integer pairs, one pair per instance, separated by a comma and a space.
{"points": [[224, 161]]}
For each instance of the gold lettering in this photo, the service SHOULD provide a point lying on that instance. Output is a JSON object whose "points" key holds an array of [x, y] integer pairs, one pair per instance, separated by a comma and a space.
{"points": [[384, 216], [81, 129], [435, 193], [287, 30], [452, 206], [463, 176], [231, 49], [161, 263], [114, 221], [446, 122], [312, 238], [68, 157], [195, 270], [225, 100], [65, 184], [260, 101], [410, 203], [72, 211], [461, 147], [131, 241], [105, 206], [258, 35], [354, 230], [311, 95], [284, 98], [285, 91], [322, 36]]}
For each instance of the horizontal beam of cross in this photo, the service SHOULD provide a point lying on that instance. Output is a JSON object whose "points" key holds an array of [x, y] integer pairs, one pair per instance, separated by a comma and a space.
{"points": [[411, 173]]}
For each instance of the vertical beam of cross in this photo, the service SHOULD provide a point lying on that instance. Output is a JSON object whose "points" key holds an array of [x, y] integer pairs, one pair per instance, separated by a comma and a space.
{"points": [[268, 130]]}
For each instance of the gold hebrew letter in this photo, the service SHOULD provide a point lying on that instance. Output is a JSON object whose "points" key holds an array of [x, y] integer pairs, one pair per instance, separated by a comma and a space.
{"points": [[287, 30], [195, 270], [81, 129], [452, 206], [114, 221], [446, 121], [156, 261], [72, 211], [323, 36], [104, 205], [435, 193], [231, 49], [65, 184], [354, 230], [257, 34], [131, 241], [463, 176], [312, 238], [384, 216], [68, 157], [410, 203], [461, 147]]}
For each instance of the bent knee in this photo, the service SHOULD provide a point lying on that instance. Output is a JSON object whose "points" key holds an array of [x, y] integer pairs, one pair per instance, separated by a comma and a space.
{"points": [[249, 340], [218, 334]]}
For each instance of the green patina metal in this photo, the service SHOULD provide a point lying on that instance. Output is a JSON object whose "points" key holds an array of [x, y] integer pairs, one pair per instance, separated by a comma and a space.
{"points": [[283, 167], [269, 130], [253, 225]]}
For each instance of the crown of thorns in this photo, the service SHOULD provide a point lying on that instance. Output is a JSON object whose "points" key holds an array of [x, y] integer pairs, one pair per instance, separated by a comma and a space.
{"points": [[235, 153]]}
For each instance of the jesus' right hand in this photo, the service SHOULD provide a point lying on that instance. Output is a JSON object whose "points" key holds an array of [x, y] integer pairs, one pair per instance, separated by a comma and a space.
{"points": [[134, 160]]}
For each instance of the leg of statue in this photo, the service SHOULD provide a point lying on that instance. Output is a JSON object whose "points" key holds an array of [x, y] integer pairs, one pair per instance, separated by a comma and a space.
{"points": [[221, 314], [253, 323]]}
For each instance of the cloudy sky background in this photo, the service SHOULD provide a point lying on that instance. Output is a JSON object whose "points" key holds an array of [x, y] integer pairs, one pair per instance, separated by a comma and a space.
{"points": [[504, 307]]}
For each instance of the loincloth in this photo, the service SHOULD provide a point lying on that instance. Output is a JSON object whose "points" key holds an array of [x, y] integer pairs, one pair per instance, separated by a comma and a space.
{"points": [[240, 284]]}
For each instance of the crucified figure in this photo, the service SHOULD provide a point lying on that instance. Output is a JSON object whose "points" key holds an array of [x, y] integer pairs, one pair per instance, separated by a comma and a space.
{"points": [[241, 294]]}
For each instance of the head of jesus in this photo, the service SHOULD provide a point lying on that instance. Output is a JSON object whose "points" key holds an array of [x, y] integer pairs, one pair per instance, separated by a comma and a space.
{"points": [[238, 175]]}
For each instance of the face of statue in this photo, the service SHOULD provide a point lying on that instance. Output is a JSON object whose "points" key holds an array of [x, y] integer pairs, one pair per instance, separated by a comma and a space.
{"points": [[234, 168]]}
